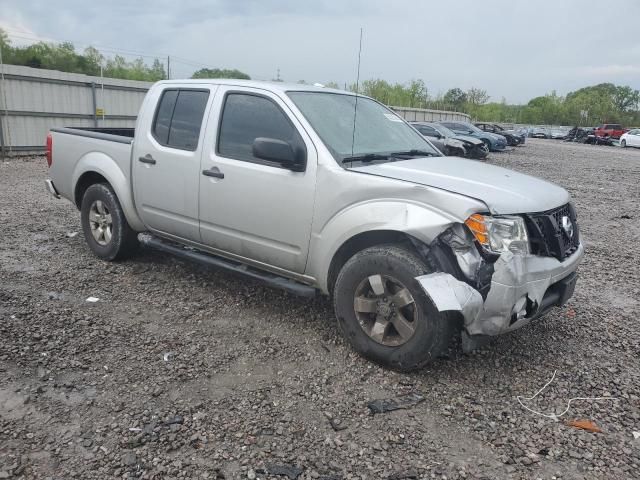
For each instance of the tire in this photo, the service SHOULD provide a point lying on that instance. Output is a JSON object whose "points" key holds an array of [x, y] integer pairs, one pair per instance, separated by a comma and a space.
{"points": [[114, 240], [623, 144], [396, 266], [487, 143]]}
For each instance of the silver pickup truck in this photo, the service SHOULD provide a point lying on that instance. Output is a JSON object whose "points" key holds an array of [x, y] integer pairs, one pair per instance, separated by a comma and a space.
{"points": [[312, 189]]}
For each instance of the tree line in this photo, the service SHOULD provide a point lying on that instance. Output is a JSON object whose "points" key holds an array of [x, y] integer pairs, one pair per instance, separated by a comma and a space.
{"points": [[588, 106], [64, 57], [602, 103]]}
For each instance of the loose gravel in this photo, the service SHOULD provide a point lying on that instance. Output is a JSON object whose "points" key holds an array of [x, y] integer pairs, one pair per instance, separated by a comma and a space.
{"points": [[177, 371]]}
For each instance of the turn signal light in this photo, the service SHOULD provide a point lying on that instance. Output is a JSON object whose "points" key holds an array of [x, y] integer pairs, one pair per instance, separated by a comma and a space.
{"points": [[478, 227]]}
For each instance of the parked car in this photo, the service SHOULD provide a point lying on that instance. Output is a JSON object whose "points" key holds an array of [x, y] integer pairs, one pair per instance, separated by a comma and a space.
{"points": [[540, 132], [630, 138], [282, 183], [513, 137], [612, 130], [558, 133], [578, 134], [450, 143], [493, 141]]}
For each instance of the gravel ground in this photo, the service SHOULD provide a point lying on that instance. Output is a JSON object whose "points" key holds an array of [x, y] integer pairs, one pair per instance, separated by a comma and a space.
{"points": [[181, 372]]}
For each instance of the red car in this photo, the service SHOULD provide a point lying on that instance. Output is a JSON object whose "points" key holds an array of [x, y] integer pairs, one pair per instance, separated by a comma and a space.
{"points": [[612, 130]]}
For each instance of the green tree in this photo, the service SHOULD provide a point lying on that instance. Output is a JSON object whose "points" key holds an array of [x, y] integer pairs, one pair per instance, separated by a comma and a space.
{"points": [[477, 96], [220, 73], [455, 99]]}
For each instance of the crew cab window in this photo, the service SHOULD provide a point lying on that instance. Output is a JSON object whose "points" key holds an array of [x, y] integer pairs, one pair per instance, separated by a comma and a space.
{"points": [[179, 118], [246, 117]]}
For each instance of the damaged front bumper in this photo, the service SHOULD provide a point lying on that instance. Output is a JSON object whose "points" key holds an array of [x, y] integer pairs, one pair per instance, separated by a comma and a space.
{"points": [[522, 288]]}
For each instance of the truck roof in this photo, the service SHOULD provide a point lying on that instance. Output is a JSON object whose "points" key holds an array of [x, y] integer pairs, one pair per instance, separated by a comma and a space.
{"points": [[273, 86]]}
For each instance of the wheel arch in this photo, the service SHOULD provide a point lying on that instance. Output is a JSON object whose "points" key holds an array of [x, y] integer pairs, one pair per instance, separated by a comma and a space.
{"points": [[96, 167], [362, 241], [84, 182]]}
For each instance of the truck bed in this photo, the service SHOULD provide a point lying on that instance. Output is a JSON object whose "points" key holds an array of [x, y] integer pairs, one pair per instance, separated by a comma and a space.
{"points": [[106, 151], [121, 135]]}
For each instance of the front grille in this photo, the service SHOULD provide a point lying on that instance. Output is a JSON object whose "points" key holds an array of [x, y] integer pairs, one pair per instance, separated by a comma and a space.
{"points": [[547, 235]]}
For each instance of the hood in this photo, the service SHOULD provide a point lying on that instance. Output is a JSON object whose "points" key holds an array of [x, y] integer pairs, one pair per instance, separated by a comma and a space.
{"points": [[468, 139], [496, 136], [503, 191]]}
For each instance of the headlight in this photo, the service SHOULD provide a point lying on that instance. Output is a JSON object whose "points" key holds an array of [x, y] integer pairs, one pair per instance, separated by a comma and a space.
{"points": [[500, 234]]}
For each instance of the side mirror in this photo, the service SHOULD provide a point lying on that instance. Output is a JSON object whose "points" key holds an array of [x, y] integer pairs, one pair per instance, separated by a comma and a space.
{"points": [[281, 152]]}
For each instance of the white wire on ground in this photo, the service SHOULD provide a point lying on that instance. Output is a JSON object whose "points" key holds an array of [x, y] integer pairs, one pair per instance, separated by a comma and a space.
{"points": [[553, 415]]}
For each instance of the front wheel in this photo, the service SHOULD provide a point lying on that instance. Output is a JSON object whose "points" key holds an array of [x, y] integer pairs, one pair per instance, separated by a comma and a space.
{"points": [[623, 144], [487, 144], [384, 313], [104, 225]]}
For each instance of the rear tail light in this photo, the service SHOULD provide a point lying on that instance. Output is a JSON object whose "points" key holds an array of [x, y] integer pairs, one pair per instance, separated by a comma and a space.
{"points": [[49, 149]]}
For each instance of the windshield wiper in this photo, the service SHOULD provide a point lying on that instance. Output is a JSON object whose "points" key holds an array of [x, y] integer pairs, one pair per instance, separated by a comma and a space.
{"points": [[414, 153], [369, 157]]}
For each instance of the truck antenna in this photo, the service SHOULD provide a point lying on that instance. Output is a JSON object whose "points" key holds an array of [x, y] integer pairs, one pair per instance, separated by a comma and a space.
{"points": [[355, 107]]}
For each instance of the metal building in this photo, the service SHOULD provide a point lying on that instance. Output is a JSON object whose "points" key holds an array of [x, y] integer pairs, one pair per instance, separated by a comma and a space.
{"points": [[33, 100]]}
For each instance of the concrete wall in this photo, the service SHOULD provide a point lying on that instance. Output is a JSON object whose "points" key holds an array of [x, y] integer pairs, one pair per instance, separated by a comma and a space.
{"points": [[428, 115], [33, 100]]}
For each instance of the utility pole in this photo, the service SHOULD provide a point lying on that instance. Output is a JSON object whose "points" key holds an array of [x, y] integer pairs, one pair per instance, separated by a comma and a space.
{"points": [[278, 76], [168, 67], [3, 94]]}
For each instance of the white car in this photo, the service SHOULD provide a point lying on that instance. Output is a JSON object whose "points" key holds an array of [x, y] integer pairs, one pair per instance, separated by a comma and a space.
{"points": [[630, 138]]}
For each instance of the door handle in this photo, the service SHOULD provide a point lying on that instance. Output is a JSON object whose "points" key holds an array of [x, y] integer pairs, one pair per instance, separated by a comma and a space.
{"points": [[213, 172], [147, 159]]}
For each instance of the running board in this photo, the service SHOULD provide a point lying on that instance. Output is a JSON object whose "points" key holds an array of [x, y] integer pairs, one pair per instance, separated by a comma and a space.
{"points": [[207, 259]]}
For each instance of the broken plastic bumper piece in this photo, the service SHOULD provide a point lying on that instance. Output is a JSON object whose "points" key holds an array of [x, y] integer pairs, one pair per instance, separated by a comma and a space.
{"points": [[523, 287]]}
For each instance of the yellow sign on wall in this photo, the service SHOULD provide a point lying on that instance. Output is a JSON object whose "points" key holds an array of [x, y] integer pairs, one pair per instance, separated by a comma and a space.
{"points": [[100, 112]]}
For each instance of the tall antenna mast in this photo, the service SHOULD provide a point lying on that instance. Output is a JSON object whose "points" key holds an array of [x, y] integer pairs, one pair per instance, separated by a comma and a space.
{"points": [[355, 107]]}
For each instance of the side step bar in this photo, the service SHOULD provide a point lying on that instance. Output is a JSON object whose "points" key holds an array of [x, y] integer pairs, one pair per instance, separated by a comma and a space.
{"points": [[207, 259]]}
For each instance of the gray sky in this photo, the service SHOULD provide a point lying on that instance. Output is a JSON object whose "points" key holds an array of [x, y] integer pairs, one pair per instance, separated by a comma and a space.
{"points": [[516, 49]]}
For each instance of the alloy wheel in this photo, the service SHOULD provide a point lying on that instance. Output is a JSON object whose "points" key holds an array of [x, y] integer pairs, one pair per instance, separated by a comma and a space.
{"points": [[385, 310], [100, 222]]}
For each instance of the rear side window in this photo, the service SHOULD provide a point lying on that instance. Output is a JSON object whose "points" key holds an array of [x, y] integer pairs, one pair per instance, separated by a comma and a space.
{"points": [[179, 118], [246, 117], [163, 116]]}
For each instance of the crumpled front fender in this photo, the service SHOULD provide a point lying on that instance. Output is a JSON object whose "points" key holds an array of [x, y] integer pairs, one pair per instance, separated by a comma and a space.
{"points": [[519, 288]]}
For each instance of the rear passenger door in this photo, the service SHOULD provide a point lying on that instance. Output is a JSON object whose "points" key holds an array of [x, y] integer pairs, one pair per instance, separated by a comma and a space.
{"points": [[256, 209], [166, 160]]}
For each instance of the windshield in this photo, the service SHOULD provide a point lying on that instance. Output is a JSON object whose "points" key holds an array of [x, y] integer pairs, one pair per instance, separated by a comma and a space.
{"points": [[472, 127], [444, 131], [378, 130]]}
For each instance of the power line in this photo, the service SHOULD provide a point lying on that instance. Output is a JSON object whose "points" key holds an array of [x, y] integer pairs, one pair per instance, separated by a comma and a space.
{"points": [[31, 36], [174, 58], [28, 36]]}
